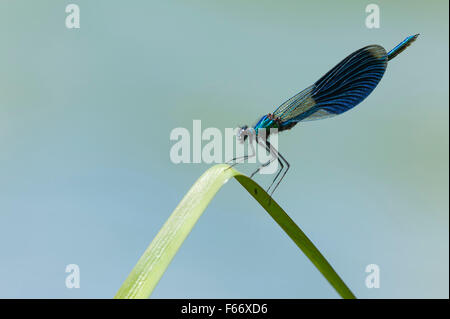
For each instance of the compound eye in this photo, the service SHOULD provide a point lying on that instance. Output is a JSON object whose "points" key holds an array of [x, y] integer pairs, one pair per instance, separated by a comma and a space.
{"points": [[242, 134]]}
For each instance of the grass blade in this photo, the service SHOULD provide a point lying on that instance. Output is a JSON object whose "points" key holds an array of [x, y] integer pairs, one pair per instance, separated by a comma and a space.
{"points": [[157, 257]]}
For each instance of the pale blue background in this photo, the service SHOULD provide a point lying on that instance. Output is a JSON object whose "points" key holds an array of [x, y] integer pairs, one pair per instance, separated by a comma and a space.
{"points": [[85, 176]]}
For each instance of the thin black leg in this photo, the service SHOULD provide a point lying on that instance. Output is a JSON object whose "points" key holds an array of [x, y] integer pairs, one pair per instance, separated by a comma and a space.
{"points": [[282, 176], [276, 155], [276, 176], [243, 158], [265, 164]]}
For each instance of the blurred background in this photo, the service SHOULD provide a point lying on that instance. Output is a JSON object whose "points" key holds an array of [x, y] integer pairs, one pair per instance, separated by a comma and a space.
{"points": [[85, 174]]}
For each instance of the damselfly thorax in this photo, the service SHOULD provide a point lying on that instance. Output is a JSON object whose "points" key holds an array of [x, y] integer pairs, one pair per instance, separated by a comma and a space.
{"points": [[267, 125]]}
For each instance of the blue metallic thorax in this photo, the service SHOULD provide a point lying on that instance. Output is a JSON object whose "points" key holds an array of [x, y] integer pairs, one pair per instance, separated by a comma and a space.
{"points": [[266, 123]]}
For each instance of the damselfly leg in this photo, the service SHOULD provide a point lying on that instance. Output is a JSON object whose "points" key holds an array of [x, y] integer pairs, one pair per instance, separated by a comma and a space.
{"points": [[275, 156], [240, 159], [282, 176], [282, 162]]}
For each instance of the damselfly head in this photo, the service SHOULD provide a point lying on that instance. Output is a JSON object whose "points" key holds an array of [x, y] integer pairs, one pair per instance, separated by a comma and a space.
{"points": [[244, 132]]}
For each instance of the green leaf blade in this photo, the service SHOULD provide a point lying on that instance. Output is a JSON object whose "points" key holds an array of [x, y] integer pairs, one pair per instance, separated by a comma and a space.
{"points": [[157, 257]]}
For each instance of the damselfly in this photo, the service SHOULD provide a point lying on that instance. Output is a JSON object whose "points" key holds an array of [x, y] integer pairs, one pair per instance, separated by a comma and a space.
{"points": [[342, 88]]}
